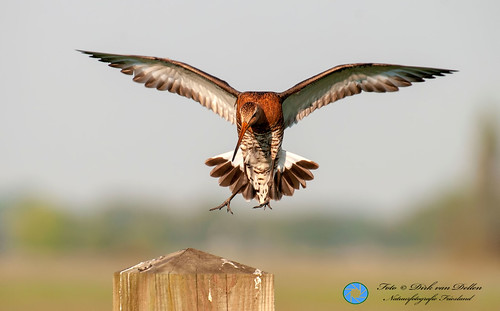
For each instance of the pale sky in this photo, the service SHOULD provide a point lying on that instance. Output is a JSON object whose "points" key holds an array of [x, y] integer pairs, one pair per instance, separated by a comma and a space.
{"points": [[77, 130]]}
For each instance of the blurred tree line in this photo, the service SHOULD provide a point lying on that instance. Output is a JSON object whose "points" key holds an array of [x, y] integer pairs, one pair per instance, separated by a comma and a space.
{"points": [[464, 221], [35, 225]]}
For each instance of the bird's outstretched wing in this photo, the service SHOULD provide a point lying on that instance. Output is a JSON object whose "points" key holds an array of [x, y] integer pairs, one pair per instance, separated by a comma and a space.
{"points": [[345, 80], [176, 77]]}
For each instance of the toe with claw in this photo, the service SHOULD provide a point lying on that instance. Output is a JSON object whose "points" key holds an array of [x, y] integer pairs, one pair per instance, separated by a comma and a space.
{"points": [[264, 205], [226, 203]]}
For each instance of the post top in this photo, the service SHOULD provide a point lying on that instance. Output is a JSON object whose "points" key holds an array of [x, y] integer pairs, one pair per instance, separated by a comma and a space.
{"points": [[191, 261]]}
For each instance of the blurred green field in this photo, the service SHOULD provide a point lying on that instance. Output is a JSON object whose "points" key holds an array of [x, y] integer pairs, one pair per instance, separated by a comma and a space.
{"points": [[301, 282]]}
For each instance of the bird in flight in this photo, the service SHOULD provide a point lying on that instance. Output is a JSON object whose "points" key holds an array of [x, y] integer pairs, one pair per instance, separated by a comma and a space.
{"points": [[259, 168]]}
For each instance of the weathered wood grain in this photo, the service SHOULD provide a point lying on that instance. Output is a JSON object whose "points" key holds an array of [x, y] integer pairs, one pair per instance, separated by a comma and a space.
{"points": [[192, 280]]}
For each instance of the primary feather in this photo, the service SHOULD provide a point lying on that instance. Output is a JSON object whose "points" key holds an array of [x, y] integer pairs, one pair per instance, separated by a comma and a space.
{"points": [[346, 80], [168, 75]]}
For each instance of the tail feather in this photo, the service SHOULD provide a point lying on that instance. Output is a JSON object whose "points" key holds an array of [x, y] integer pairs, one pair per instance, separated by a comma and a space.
{"points": [[248, 192], [292, 172], [239, 180], [227, 178], [276, 194], [231, 173], [221, 169]]}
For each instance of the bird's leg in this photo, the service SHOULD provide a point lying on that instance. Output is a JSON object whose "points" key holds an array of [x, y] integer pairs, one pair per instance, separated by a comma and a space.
{"points": [[264, 205], [226, 203]]}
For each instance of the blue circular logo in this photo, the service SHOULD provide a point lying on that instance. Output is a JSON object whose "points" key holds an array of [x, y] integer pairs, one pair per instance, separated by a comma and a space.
{"points": [[355, 293]]}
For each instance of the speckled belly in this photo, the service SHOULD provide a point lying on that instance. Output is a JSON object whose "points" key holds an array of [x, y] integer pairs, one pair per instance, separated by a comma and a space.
{"points": [[259, 150]]}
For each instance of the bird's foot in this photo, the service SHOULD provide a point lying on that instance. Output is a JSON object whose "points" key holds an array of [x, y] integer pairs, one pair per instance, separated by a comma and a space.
{"points": [[226, 203], [264, 205]]}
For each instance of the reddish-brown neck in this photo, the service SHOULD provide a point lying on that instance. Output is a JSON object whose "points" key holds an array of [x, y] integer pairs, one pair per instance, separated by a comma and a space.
{"points": [[269, 102]]}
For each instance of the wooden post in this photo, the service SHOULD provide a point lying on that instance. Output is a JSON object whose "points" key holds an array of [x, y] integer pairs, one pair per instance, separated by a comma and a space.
{"points": [[192, 280]]}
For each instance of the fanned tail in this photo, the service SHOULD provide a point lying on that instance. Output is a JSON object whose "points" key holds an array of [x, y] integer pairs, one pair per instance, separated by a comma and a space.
{"points": [[231, 174], [292, 171]]}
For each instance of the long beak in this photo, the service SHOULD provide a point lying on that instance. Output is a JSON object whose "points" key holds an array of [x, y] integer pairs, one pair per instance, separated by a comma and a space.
{"points": [[244, 127]]}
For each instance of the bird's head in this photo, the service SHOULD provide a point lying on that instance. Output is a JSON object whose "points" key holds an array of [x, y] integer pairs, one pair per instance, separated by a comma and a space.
{"points": [[250, 114]]}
